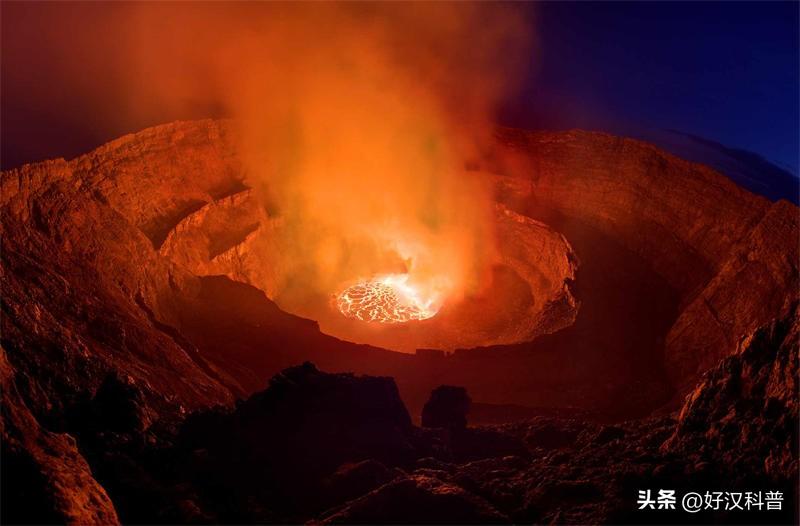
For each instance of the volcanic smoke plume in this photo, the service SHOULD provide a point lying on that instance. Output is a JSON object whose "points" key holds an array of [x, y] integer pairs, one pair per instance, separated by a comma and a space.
{"points": [[355, 122]]}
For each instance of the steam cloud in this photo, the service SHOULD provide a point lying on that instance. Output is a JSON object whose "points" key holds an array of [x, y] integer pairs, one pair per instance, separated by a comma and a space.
{"points": [[356, 121]]}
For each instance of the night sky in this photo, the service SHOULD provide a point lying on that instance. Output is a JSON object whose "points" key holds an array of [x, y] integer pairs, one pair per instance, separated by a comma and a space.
{"points": [[723, 71]]}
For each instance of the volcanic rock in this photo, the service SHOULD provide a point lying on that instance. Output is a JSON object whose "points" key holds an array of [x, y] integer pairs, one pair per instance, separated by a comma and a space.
{"points": [[115, 326], [551, 435], [417, 500], [766, 266], [120, 406], [447, 408], [746, 408], [351, 480], [708, 238], [83, 285], [134, 221], [284, 446], [46, 480]]}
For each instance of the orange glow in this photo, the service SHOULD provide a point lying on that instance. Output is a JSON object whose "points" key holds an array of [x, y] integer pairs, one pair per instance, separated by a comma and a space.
{"points": [[387, 299], [355, 123]]}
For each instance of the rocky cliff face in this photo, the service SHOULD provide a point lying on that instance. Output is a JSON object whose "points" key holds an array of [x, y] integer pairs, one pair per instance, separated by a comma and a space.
{"points": [[136, 282], [83, 290], [182, 186], [745, 409], [47, 479], [708, 238]]}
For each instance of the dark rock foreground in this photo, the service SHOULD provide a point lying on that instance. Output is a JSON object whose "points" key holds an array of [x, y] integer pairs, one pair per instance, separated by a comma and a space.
{"points": [[339, 448]]}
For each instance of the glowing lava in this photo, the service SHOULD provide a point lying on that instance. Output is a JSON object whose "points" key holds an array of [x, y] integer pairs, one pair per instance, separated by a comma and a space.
{"points": [[385, 299]]}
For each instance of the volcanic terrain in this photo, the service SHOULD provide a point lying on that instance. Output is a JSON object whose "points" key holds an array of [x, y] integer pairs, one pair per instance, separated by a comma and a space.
{"points": [[639, 329]]}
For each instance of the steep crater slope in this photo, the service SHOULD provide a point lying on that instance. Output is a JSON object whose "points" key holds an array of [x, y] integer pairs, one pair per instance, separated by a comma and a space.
{"points": [[728, 257], [528, 295], [192, 202], [110, 280], [663, 245]]}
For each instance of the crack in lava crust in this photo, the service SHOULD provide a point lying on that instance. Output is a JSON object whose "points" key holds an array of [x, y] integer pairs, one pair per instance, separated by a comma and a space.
{"points": [[383, 300]]}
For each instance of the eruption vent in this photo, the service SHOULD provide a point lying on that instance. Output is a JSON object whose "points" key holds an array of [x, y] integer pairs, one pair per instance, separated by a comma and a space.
{"points": [[386, 299]]}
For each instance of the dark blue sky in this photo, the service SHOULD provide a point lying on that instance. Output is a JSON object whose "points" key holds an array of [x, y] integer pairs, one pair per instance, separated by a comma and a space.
{"points": [[726, 71]]}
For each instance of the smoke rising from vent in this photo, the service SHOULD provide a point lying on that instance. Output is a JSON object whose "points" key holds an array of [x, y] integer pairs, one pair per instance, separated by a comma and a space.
{"points": [[356, 122]]}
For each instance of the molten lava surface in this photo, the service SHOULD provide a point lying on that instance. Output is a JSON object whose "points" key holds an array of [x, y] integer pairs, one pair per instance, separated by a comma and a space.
{"points": [[387, 299]]}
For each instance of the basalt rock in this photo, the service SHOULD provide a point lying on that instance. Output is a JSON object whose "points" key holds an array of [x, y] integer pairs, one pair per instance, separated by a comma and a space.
{"points": [[707, 237], [134, 221], [746, 408], [116, 324], [283, 446], [447, 408], [46, 480], [417, 500]]}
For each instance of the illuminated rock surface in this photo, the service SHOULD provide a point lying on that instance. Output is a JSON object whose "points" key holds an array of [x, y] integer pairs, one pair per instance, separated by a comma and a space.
{"points": [[625, 274]]}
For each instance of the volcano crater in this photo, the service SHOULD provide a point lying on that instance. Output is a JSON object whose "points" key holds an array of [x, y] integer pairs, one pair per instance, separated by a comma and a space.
{"points": [[527, 293]]}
